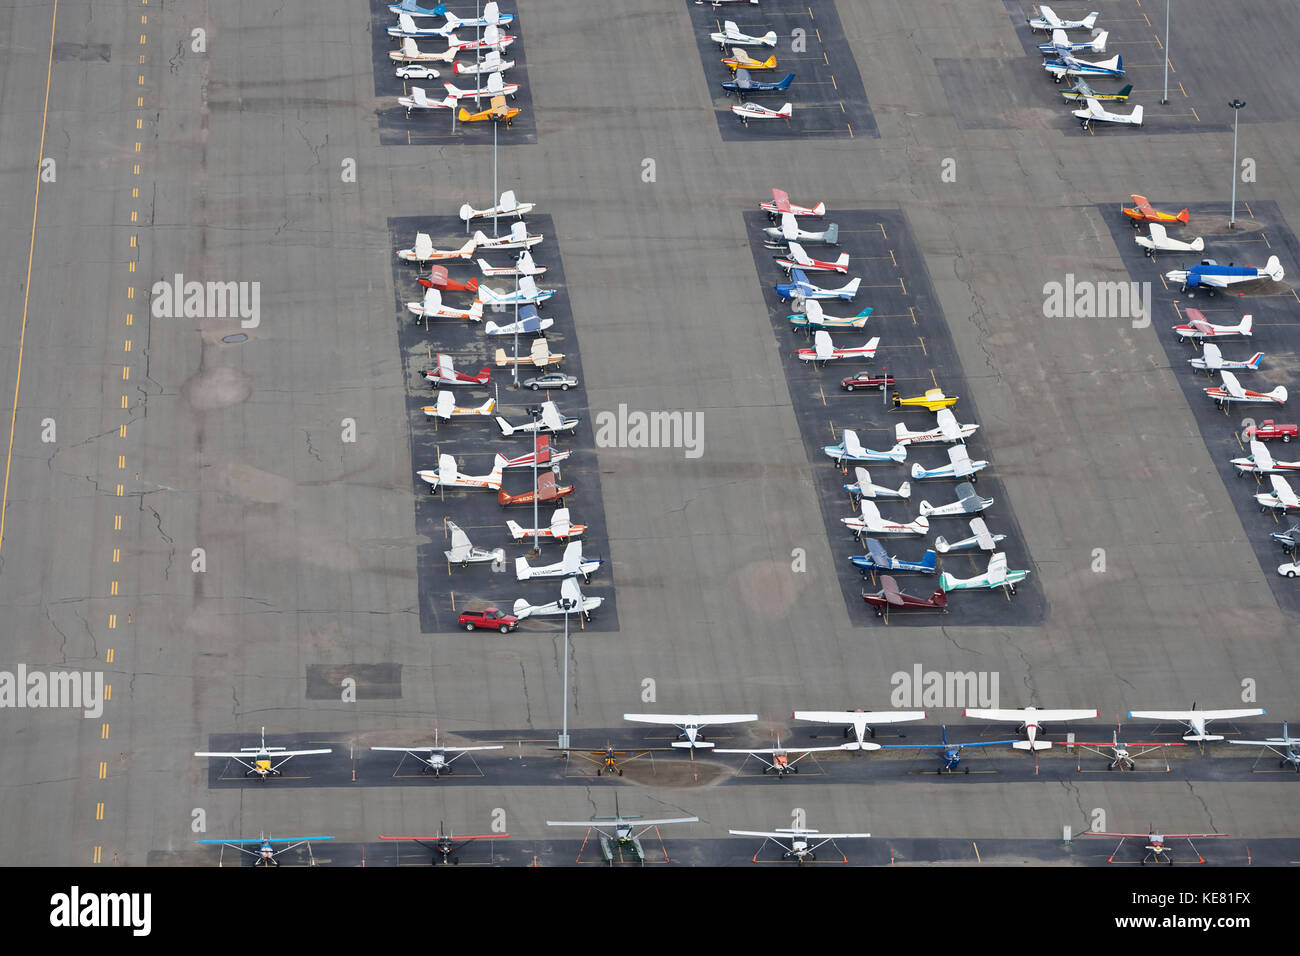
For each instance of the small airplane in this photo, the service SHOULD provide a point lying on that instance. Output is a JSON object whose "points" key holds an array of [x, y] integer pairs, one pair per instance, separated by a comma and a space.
{"points": [[1048, 20], [491, 13], [525, 293], [781, 763], [801, 289], [413, 8], [980, 538], [266, 853], [742, 85], [1281, 498], [1209, 275], [1212, 360], [419, 100], [1081, 90], [1062, 44], [878, 559], [423, 250], [871, 521], [539, 353], [861, 722], [410, 52], [569, 601], [780, 204], [1157, 845], [933, 399], [1288, 754], [1122, 755], [891, 597], [548, 492], [752, 111], [1288, 539], [572, 563], [813, 317], [497, 110], [1142, 211], [731, 34], [528, 323], [464, 553], [446, 407], [438, 279], [517, 238], [542, 451], [262, 761], [864, 487], [621, 841], [608, 759], [432, 307], [949, 754], [444, 373], [1197, 327], [997, 576], [1094, 112], [788, 231], [1232, 391], [967, 503], [524, 266], [438, 758], [491, 63], [1030, 720], [491, 39], [406, 27], [508, 206], [1069, 65], [446, 475], [550, 421], [797, 843], [740, 59], [959, 466], [824, 351], [690, 726], [796, 258], [850, 448], [1159, 241], [946, 430], [1260, 462], [1195, 720], [445, 845], [559, 528]]}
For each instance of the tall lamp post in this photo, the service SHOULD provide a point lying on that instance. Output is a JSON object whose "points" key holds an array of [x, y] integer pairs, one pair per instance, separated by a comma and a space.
{"points": [[1236, 113], [563, 743], [1166, 96]]}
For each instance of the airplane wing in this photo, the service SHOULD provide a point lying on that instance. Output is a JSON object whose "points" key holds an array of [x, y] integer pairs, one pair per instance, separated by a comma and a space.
{"points": [[440, 749], [1270, 742], [449, 836], [997, 572], [878, 553], [259, 842], [701, 719], [1232, 386], [1213, 356], [788, 750], [981, 532], [890, 589], [867, 716], [634, 820], [780, 198], [1158, 233], [959, 457], [947, 423], [1020, 715], [1282, 488], [274, 752], [1263, 458], [1188, 715]]}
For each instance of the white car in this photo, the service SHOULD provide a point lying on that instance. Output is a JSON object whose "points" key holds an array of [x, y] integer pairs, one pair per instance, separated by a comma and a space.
{"points": [[1289, 570], [413, 71]]}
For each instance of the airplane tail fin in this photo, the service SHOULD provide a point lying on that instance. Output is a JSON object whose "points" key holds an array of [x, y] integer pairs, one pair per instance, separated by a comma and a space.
{"points": [[1090, 20], [819, 209], [832, 236], [1273, 269], [843, 261], [1116, 64], [522, 571], [1255, 361], [917, 471], [516, 531], [1123, 92], [1183, 216], [1099, 42], [491, 328], [1032, 744], [939, 598], [1197, 244], [467, 250], [466, 210], [905, 490], [1278, 394], [785, 83], [497, 466], [900, 433], [506, 428], [1136, 117], [942, 544], [1246, 325], [926, 508], [852, 288], [463, 115], [923, 523], [521, 606], [472, 284], [487, 407], [788, 109], [483, 375], [476, 310], [930, 560]]}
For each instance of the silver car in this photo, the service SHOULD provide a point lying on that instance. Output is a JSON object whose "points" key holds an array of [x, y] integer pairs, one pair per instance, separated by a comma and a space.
{"points": [[552, 380]]}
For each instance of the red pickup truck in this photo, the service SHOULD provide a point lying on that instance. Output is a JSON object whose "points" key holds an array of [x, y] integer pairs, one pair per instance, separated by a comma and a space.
{"points": [[490, 620], [1268, 430]]}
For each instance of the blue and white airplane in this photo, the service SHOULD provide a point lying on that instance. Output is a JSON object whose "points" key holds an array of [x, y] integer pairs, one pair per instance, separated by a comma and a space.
{"points": [[851, 448], [491, 16], [743, 85], [407, 27], [959, 466], [878, 559], [1048, 20], [529, 321], [864, 487], [1068, 65], [526, 293], [1288, 754], [1210, 275], [799, 287], [266, 853], [949, 754], [1061, 44]]}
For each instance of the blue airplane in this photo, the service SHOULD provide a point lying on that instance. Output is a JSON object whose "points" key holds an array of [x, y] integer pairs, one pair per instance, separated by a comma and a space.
{"points": [[1068, 65], [412, 8], [742, 85], [266, 854], [878, 559], [1211, 275], [949, 754], [800, 287]]}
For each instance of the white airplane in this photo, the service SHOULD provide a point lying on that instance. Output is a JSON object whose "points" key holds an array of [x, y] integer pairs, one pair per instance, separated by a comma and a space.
{"points": [[545, 454], [523, 266], [861, 722], [780, 203], [1288, 755], [997, 576], [813, 317], [570, 598], [1282, 497], [419, 100], [789, 230], [1094, 112], [407, 27], [1062, 44], [1049, 21], [491, 63], [797, 846], [491, 39], [559, 528], [262, 761], [527, 293], [446, 475], [800, 289], [435, 759], [432, 307], [946, 430], [446, 407], [551, 422], [491, 13], [752, 111], [870, 522], [423, 250], [967, 503], [508, 206], [266, 852], [797, 258], [864, 487], [1212, 360], [824, 351], [1195, 720], [1210, 275], [850, 448], [1232, 391], [732, 35], [572, 564], [980, 538], [1261, 462], [780, 762], [524, 325], [690, 725], [1197, 328], [517, 238], [1159, 241], [539, 354], [959, 466], [1031, 721], [622, 840], [491, 17], [464, 553], [410, 52]]}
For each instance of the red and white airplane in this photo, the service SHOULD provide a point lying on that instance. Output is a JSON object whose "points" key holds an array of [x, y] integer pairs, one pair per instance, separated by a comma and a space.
{"points": [[491, 63], [517, 238], [559, 529], [495, 87], [1030, 719], [508, 206], [749, 111], [491, 39], [1197, 327], [419, 100], [1261, 462], [783, 760], [444, 373], [446, 476], [798, 259], [438, 279], [424, 251], [946, 430], [861, 722], [871, 522], [433, 308], [545, 454], [1232, 391], [1281, 498], [446, 844], [781, 203], [824, 350], [1157, 845]]}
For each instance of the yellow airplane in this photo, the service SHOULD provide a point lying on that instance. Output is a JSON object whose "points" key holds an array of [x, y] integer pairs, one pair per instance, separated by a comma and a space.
{"points": [[496, 111], [740, 58], [933, 399]]}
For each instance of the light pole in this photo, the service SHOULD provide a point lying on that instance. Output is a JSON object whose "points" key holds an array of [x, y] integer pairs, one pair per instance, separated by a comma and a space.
{"points": [[1236, 113], [563, 743], [1166, 96], [535, 411]]}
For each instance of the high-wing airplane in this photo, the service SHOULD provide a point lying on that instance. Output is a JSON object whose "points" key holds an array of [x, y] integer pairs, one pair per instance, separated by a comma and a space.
{"points": [[496, 111], [891, 597], [1030, 720], [446, 845], [410, 52], [1157, 844], [1286, 748], [1195, 720], [980, 538], [878, 559], [946, 430], [446, 476], [491, 63], [438, 758], [1082, 90], [740, 59], [444, 373], [863, 487], [517, 238], [743, 85], [1094, 112], [549, 491], [997, 576], [801, 289], [620, 838], [732, 34], [439, 279], [1067, 64], [572, 564], [780, 204], [266, 853], [558, 529], [860, 722], [569, 601], [851, 448], [1122, 754], [423, 250], [1288, 539], [1159, 241], [788, 231], [544, 453], [490, 39], [1281, 498], [967, 503], [949, 754], [1210, 275], [824, 350], [491, 13], [464, 553], [797, 843], [508, 206], [1063, 44], [419, 100], [690, 726], [262, 761], [1142, 211], [446, 408], [796, 258], [1261, 462], [432, 307], [870, 521], [407, 27], [933, 399], [1232, 391], [539, 353], [959, 465], [525, 293], [1197, 327], [523, 266], [608, 761], [1212, 360], [528, 323], [496, 86], [782, 759], [550, 421], [1048, 20], [813, 317], [755, 111]]}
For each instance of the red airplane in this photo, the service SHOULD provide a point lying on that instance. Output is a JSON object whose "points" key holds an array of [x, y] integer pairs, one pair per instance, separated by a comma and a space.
{"points": [[446, 845], [891, 598], [547, 491], [1143, 211], [437, 279]]}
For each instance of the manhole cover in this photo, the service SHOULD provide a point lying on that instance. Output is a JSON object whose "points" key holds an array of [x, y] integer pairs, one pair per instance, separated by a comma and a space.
{"points": [[234, 338]]}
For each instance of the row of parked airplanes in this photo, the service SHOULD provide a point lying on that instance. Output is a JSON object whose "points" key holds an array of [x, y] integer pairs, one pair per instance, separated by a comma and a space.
{"points": [[742, 65], [1212, 276], [1062, 63], [788, 235]]}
